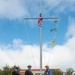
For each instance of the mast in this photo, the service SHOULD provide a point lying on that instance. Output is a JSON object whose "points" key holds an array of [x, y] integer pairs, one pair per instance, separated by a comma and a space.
{"points": [[40, 50], [41, 40]]}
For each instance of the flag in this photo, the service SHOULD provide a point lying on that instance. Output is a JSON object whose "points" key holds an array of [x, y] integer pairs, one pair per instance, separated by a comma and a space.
{"points": [[55, 29], [53, 41], [40, 21], [56, 21]]}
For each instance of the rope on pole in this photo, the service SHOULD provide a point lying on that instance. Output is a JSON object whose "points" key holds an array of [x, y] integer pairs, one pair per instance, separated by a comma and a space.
{"points": [[29, 42]]}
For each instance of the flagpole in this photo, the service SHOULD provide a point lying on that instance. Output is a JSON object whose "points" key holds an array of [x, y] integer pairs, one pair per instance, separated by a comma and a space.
{"points": [[41, 40], [40, 50]]}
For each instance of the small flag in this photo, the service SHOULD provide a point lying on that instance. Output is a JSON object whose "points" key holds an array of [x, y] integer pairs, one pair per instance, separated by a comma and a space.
{"points": [[40, 20], [56, 21], [55, 29], [53, 41]]}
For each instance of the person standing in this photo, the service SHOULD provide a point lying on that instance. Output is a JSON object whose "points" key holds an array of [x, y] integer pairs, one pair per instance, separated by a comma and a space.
{"points": [[47, 71], [28, 72], [16, 71]]}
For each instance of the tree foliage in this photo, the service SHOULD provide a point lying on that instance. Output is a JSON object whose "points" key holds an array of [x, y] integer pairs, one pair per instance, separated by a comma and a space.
{"points": [[69, 71], [57, 72], [7, 70]]}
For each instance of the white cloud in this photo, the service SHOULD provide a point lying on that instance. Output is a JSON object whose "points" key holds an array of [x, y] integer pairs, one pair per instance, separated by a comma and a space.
{"points": [[61, 5], [71, 28], [12, 9], [60, 56]]}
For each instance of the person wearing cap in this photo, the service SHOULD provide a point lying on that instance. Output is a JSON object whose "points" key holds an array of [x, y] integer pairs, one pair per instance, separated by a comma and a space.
{"points": [[16, 71], [28, 72], [47, 71]]}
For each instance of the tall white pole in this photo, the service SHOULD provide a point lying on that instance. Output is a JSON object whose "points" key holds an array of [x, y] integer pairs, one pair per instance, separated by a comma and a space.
{"points": [[40, 6], [41, 40], [40, 50]]}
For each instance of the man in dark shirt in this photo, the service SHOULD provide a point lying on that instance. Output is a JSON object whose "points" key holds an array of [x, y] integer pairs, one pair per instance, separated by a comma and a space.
{"points": [[47, 71], [16, 71], [28, 72]]}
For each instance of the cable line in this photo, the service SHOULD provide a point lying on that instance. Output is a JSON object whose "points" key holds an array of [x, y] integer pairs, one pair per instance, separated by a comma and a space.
{"points": [[30, 48]]}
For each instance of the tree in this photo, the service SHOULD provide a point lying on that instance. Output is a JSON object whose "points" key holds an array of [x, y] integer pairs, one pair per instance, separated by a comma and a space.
{"points": [[7, 70], [69, 71], [57, 72]]}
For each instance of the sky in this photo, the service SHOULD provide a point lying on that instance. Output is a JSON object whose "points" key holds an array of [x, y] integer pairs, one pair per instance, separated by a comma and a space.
{"points": [[20, 39]]}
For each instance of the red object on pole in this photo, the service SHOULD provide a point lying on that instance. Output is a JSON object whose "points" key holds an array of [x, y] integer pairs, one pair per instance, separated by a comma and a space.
{"points": [[40, 20]]}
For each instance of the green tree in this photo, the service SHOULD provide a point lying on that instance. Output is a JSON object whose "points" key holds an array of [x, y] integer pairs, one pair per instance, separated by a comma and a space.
{"points": [[7, 70], [69, 71], [57, 72]]}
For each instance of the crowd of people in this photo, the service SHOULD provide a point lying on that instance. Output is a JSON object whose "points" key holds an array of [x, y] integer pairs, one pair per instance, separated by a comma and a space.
{"points": [[29, 72]]}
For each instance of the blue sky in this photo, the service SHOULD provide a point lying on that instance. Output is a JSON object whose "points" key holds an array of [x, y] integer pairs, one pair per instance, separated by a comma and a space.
{"points": [[18, 35], [19, 29]]}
